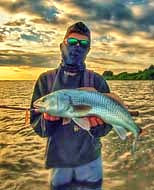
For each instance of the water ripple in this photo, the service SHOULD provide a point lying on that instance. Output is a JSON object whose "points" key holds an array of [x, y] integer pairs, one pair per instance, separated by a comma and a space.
{"points": [[22, 151]]}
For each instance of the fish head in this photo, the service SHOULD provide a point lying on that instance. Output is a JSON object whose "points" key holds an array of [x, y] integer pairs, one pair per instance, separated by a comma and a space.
{"points": [[42, 104], [64, 104], [55, 103]]}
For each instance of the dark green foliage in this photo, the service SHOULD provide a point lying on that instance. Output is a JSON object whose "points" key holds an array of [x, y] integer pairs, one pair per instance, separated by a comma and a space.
{"points": [[108, 73], [147, 74]]}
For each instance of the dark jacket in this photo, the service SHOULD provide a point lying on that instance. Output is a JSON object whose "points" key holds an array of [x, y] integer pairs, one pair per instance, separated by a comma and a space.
{"points": [[67, 146]]}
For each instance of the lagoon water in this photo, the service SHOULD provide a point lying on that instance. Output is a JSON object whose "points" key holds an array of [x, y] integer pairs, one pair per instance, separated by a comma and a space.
{"points": [[22, 151]]}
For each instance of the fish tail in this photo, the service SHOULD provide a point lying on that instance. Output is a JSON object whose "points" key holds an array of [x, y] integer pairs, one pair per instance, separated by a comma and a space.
{"points": [[134, 146]]}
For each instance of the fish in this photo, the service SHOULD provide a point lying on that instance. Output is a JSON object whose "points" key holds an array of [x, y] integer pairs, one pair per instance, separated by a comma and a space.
{"points": [[77, 104]]}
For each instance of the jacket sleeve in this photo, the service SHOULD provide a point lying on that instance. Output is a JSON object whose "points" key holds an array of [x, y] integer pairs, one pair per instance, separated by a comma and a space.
{"points": [[101, 86], [42, 127]]}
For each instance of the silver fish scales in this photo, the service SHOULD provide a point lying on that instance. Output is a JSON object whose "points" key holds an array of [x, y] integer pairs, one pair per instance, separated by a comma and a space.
{"points": [[77, 103]]}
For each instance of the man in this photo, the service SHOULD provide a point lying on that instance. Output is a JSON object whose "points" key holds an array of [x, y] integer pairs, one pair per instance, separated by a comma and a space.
{"points": [[71, 152]]}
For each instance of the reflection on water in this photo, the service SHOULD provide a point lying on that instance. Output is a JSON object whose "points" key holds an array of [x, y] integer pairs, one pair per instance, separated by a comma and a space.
{"points": [[22, 151]]}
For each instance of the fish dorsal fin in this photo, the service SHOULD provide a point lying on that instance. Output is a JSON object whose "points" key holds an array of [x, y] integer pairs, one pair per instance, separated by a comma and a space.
{"points": [[116, 98], [112, 95], [88, 89], [82, 108], [82, 122], [120, 131]]}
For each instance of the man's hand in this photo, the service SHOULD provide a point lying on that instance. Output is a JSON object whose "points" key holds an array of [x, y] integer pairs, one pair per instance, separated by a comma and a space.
{"points": [[50, 117], [56, 118], [94, 121]]}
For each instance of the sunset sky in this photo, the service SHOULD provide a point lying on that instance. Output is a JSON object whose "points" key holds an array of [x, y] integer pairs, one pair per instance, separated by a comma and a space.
{"points": [[31, 31]]}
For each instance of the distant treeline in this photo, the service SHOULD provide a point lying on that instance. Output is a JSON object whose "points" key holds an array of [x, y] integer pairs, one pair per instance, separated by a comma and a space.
{"points": [[147, 74]]}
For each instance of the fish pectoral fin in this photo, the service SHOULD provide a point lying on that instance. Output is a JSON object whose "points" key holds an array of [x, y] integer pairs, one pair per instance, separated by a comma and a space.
{"points": [[120, 131], [82, 122], [82, 108]]}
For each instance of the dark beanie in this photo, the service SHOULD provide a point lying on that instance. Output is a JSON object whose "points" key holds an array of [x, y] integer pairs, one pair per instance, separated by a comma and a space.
{"points": [[78, 27]]}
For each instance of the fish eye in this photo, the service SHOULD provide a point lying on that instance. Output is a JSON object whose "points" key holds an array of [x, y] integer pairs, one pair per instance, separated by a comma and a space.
{"points": [[44, 99]]}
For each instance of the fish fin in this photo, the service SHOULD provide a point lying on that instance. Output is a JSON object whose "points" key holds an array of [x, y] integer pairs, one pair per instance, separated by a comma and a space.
{"points": [[82, 108], [134, 146], [120, 131], [87, 89], [82, 122]]}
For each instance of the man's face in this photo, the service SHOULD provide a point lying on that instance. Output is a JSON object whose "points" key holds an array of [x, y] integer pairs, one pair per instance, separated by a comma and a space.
{"points": [[75, 49]]}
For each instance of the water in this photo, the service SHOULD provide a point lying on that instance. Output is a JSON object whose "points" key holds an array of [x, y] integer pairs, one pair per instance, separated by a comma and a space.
{"points": [[22, 151]]}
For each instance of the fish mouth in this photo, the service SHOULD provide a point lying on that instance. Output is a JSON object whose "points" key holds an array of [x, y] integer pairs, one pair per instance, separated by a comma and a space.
{"points": [[39, 106]]}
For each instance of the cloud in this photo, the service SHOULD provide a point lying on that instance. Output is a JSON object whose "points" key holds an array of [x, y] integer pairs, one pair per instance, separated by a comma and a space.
{"points": [[48, 13], [16, 23], [37, 26], [20, 58], [105, 10], [135, 2], [135, 49], [35, 38], [115, 65], [147, 18], [2, 38], [120, 14], [24, 33]]}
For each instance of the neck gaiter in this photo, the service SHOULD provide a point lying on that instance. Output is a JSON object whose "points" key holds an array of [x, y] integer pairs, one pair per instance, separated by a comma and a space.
{"points": [[73, 57]]}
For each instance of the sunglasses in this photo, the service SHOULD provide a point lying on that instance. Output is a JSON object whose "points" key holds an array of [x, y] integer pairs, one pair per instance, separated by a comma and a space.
{"points": [[74, 41]]}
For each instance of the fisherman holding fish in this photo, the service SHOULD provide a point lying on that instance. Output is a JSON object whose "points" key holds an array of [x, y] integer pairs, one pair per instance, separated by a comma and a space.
{"points": [[73, 154]]}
